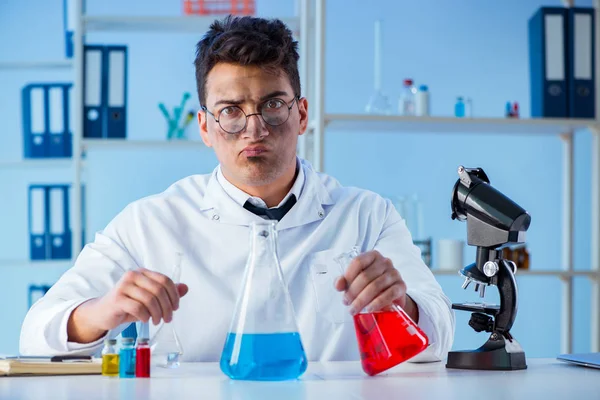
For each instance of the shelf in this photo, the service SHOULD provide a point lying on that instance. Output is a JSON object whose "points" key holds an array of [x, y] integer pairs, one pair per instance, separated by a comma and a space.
{"points": [[559, 273], [20, 65], [37, 163], [174, 24], [141, 144], [398, 123], [39, 263]]}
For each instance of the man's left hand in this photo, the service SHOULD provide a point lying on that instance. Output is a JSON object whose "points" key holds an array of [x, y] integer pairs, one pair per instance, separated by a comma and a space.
{"points": [[371, 282]]}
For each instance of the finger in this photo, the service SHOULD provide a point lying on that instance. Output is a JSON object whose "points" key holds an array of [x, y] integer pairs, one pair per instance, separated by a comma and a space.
{"points": [[167, 283], [363, 279], [182, 289], [147, 299], [371, 291], [340, 284], [394, 292], [136, 310], [159, 292], [359, 263]]}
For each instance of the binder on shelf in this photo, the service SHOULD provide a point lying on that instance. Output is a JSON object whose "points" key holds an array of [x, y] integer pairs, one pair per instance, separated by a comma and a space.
{"points": [[105, 91], [60, 234], [46, 127], [582, 65], [49, 223], [548, 62], [34, 126], [69, 19], [36, 292], [38, 213], [115, 69], [59, 127], [92, 92]]}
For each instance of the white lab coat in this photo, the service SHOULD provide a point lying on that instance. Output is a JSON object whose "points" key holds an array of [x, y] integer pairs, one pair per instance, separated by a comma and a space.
{"points": [[197, 217]]}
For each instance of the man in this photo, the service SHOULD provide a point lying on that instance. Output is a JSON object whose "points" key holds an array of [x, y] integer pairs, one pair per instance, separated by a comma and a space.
{"points": [[252, 115]]}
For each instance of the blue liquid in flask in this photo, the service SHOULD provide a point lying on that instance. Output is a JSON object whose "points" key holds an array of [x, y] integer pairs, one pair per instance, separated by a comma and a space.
{"points": [[263, 356]]}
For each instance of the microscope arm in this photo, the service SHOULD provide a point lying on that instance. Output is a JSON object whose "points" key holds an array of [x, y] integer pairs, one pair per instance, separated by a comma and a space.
{"points": [[507, 286]]}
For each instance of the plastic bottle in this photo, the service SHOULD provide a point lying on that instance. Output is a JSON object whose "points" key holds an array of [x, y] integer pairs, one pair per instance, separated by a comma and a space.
{"points": [[469, 107], [422, 101], [110, 358], [406, 104], [459, 107], [508, 113], [515, 110]]}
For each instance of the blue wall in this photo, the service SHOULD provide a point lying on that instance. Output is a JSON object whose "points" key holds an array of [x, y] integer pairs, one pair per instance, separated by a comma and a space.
{"points": [[464, 47]]}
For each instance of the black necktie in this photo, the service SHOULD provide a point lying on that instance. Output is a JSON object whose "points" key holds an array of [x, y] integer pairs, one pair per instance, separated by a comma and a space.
{"points": [[273, 213]]}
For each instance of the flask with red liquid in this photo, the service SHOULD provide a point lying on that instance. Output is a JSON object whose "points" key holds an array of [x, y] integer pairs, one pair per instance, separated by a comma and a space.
{"points": [[385, 337]]}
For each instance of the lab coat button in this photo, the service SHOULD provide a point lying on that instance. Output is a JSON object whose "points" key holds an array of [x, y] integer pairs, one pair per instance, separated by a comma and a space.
{"points": [[215, 217], [321, 214]]}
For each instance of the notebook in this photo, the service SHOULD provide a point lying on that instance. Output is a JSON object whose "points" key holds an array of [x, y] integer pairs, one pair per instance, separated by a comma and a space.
{"points": [[586, 359], [14, 366]]}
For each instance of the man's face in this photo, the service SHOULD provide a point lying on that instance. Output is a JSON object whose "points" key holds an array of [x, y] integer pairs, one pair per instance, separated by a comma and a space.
{"points": [[260, 153]]}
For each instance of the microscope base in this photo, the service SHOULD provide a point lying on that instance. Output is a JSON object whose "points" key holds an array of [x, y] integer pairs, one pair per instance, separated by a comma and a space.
{"points": [[498, 353]]}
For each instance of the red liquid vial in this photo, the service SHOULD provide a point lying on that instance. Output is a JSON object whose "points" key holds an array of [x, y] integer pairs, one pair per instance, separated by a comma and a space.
{"points": [[387, 338], [142, 359]]}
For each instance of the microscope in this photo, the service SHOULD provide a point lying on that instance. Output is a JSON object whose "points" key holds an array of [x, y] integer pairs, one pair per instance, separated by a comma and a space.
{"points": [[493, 222]]}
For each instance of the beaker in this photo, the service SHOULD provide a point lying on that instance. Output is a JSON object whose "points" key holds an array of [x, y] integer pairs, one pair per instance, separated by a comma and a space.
{"points": [[386, 337], [263, 342], [165, 346]]}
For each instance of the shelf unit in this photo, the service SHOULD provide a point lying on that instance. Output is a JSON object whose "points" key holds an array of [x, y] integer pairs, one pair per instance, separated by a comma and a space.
{"points": [[158, 24], [43, 163], [311, 147], [20, 65], [88, 144], [310, 25], [33, 263]]}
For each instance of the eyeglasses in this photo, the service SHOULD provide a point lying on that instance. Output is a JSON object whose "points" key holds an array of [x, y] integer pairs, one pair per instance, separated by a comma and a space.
{"points": [[232, 119]]}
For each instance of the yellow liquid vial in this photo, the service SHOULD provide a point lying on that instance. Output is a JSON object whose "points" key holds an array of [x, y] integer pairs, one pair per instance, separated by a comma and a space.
{"points": [[110, 365]]}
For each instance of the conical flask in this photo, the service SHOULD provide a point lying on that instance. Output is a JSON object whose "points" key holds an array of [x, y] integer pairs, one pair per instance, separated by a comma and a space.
{"points": [[165, 345], [378, 102], [386, 337], [263, 342]]}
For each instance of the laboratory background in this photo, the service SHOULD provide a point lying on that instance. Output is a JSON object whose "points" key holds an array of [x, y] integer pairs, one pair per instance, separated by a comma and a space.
{"points": [[465, 59]]}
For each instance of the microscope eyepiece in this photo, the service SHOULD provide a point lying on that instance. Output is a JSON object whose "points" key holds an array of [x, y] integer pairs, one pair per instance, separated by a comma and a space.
{"points": [[492, 218]]}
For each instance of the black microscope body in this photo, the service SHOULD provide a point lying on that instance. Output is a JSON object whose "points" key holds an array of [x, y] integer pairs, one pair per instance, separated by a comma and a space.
{"points": [[493, 222]]}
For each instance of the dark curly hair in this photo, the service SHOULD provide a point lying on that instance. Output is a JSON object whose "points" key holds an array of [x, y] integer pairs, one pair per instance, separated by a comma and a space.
{"points": [[247, 40]]}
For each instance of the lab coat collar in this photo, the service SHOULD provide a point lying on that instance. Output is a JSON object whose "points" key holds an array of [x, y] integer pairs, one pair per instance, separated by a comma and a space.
{"points": [[310, 207]]}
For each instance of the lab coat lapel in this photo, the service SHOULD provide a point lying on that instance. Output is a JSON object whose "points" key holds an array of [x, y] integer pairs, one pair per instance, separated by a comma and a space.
{"points": [[312, 205], [224, 209]]}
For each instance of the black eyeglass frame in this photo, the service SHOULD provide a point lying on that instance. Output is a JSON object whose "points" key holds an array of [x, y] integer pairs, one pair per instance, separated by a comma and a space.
{"points": [[289, 107]]}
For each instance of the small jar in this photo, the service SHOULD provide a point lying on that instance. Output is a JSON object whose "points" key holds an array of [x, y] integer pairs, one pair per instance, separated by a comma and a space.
{"points": [[142, 359], [110, 358], [127, 358]]}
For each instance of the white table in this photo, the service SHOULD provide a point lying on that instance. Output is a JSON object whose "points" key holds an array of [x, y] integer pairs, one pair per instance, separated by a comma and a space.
{"points": [[544, 379]]}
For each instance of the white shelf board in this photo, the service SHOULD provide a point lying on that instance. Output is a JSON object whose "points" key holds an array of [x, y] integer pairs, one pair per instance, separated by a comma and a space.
{"points": [[33, 163], [558, 272], [398, 123], [36, 263], [141, 144], [174, 24], [20, 65]]}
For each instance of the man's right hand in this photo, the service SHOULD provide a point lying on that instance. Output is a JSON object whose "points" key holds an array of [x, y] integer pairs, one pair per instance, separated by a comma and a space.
{"points": [[140, 295]]}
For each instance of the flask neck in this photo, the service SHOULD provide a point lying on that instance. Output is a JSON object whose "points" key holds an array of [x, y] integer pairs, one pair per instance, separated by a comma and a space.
{"points": [[263, 243]]}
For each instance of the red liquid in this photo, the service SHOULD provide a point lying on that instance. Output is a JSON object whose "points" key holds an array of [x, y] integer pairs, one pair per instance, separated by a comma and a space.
{"points": [[387, 338], [142, 362]]}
